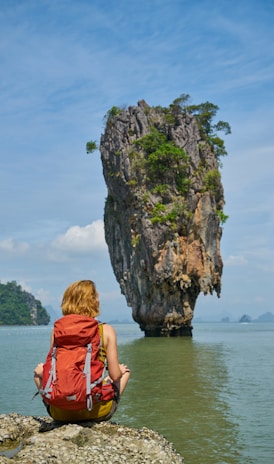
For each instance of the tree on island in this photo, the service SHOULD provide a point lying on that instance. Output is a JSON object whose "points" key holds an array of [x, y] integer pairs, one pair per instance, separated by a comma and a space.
{"points": [[18, 307]]}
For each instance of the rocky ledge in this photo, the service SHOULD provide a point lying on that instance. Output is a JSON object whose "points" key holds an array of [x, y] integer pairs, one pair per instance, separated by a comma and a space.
{"points": [[33, 440]]}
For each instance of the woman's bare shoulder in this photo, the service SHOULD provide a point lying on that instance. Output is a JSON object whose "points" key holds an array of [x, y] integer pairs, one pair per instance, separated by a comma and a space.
{"points": [[110, 339], [109, 332]]}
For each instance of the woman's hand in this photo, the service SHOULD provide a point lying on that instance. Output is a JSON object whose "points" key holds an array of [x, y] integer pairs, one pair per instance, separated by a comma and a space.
{"points": [[38, 371], [124, 368]]}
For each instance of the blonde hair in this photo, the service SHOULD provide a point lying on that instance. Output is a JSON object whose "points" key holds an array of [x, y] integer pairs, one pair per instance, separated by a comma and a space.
{"points": [[82, 298]]}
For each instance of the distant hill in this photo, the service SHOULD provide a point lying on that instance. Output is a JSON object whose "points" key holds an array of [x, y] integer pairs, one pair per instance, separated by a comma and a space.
{"points": [[266, 317], [245, 318], [53, 313], [18, 307]]}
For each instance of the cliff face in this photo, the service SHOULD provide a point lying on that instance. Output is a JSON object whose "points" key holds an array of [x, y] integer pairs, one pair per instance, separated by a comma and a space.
{"points": [[162, 213]]}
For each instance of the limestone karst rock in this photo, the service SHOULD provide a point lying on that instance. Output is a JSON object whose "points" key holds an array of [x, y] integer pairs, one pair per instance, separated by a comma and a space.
{"points": [[162, 213]]}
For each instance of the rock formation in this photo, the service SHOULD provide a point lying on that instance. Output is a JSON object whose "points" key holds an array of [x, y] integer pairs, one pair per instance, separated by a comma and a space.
{"points": [[39, 440], [163, 213]]}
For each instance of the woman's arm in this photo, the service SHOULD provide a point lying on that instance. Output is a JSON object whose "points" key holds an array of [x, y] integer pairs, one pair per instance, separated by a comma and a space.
{"points": [[38, 371], [110, 342], [119, 373]]}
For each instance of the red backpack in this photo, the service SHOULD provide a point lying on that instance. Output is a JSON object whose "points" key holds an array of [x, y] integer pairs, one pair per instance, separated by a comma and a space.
{"points": [[75, 365]]}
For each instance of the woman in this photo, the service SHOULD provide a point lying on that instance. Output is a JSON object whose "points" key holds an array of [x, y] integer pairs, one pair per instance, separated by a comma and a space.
{"points": [[81, 298]]}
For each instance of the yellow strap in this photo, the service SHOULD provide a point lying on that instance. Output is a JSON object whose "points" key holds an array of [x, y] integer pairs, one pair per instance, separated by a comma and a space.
{"points": [[102, 350]]}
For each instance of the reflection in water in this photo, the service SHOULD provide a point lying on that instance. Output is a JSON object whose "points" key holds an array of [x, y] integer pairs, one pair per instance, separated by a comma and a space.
{"points": [[175, 388]]}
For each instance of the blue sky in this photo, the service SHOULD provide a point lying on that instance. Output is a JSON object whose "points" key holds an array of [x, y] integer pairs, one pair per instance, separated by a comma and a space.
{"points": [[64, 64]]}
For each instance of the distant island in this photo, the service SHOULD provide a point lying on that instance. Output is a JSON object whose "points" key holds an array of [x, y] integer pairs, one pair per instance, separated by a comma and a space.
{"points": [[245, 318], [18, 307], [266, 317]]}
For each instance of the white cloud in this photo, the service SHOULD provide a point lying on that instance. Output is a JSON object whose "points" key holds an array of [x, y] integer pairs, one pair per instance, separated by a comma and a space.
{"points": [[84, 239], [260, 299], [235, 261], [11, 246], [43, 296], [25, 286], [40, 294], [114, 294]]}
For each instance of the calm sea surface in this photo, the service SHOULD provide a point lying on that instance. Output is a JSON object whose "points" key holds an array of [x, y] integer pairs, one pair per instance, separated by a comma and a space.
{"points": [[212, 396]]}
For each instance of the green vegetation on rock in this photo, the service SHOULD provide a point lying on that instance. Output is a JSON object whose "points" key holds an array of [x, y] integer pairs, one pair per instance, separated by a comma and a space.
{"points": [[205, 113], [162, 158], [164, 170], [18, 307]]}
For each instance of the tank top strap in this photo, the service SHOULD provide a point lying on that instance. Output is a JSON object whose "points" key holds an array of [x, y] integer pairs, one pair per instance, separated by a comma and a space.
{"points": [[102, 350]]}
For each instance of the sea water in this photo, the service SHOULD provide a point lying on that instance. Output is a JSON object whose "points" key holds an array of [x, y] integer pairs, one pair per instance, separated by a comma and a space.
{"points": [[211, 395]]}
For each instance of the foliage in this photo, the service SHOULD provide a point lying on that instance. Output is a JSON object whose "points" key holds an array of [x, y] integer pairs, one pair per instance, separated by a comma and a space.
{"points": [[205, 113], [135, 240], [152, 141], [17, 306], [164, 161], [157, 213], [218, 146], [212, 181], [180, 102], [163, 168], [114, 111], [222, 216], [166, 156], [161, 214], [160, 189], [91, 146]]}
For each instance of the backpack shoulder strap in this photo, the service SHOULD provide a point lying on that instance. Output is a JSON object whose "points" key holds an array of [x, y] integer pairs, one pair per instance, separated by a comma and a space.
{"points": [[102, 357], [52, 375]]}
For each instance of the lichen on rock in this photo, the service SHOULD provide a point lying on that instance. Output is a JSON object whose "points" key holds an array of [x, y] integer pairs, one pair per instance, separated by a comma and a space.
{"points": [[164, 210]]}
